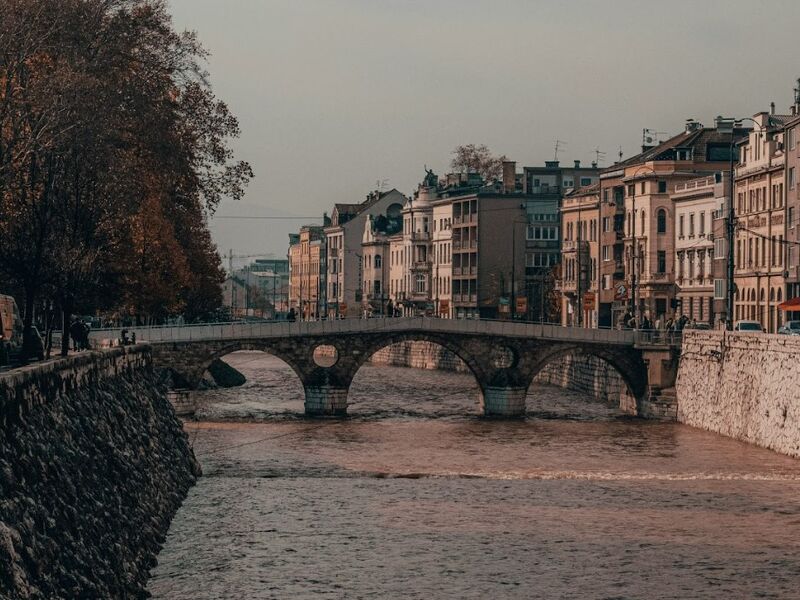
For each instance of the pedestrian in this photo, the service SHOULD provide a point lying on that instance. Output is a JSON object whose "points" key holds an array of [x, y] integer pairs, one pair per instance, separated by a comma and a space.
{"points": [[291, 315], [75, 332]]}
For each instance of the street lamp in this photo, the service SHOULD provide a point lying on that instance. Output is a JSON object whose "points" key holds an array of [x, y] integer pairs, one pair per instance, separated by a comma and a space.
{"points": [[634, 249], [729, 125]]}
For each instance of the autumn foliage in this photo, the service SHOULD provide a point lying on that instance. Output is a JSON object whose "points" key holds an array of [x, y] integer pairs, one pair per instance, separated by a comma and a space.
{"points": [[113, 152]]}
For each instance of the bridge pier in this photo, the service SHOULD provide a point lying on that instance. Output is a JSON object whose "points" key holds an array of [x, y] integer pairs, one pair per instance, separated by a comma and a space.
{"points": [[325, 401], [504, 401]]}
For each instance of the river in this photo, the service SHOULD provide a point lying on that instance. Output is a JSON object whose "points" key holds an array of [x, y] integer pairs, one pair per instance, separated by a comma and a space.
{"points": [[415, 496]]}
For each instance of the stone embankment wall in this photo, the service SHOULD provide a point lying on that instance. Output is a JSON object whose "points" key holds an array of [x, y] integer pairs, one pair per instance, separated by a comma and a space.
{"points": [[589, 375], [746, 386], [420, 355], [93, 465], [580, 372]]}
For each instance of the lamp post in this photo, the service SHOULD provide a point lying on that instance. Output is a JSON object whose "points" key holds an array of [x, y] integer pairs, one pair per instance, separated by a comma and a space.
{"points": [[729, 125], [634, 248]]}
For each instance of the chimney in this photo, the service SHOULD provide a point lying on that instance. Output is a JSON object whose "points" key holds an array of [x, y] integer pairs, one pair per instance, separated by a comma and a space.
{"points": [[772, 108], [577, 164], [509, 176]]}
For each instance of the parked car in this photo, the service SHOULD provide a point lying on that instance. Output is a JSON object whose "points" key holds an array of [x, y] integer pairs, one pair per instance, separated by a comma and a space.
{"points": [[790, 328], [748, 326], [700, 326]]}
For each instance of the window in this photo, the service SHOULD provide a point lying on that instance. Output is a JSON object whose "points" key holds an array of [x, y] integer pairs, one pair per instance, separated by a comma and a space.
{"points": [[691, 225], [719, 247], [631, 189], [791, 142], [662, 261], [791, 178], [680, 226], [662, 187], [703, 223], [606, 253], [586, 181], [419, 283], [378, 262], [642, 188], [606, 282], [606, 224], [661, 221]]}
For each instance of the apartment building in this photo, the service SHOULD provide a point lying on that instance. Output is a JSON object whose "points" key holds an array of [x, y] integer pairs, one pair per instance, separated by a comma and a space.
{"points": [[344, 274], [580, 257], [759, 196], [307, 271], [543, 190], [649, 231], [791, 304], [696, 201]]}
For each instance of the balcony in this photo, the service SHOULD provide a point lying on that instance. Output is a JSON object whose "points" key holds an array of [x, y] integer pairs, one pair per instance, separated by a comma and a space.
{"points": [[420, 236]]}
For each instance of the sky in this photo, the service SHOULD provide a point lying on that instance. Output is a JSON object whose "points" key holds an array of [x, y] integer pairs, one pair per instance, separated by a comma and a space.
{"points": [[335, 96]]}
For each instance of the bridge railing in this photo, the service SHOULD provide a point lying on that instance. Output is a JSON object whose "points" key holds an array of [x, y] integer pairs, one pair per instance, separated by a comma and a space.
{"points": [[238, 330]]}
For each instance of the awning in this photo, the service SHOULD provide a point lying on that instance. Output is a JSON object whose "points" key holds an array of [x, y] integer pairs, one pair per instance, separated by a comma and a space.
{"points": [[791, 305]]}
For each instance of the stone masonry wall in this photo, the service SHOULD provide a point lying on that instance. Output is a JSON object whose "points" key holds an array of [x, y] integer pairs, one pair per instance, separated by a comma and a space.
{"points": [[746, 386], [93, 465], [581, 372], [420, 355], [589, 375]]}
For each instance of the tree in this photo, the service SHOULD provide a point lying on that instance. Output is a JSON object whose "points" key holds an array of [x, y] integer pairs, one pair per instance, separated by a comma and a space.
{"points": [[113, 151], [477, 159]]}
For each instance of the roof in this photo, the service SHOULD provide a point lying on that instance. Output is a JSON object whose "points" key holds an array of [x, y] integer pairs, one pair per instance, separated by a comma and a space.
{"points": [[697, 139], [585, 190]]}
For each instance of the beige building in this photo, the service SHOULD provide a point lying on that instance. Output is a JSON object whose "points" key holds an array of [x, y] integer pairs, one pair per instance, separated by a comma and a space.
{"points": [[759, 198], [649, 236], [695, 202], [580, 257], [306, 270], [791, 307], [344, 277]]}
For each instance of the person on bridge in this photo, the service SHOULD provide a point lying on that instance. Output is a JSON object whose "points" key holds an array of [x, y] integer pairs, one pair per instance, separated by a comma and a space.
{"points": [[291, 315]]}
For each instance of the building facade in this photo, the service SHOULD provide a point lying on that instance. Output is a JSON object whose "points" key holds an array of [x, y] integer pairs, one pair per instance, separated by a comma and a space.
{"points": [[344, 293], [307, 271], [580, 257], [791, 308], [695, 202], [759, 196], [649, 232]]}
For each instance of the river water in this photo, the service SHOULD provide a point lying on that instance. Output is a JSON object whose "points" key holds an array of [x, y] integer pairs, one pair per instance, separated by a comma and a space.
{"points": [[415, 496]]}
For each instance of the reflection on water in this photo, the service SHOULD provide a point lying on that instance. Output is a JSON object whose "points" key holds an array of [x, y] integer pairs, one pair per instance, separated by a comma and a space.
{"points": [[414, 496]]}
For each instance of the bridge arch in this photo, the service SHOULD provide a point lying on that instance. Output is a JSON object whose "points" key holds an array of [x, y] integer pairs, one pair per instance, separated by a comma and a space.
{"points": [[473, 366], [630, 367], [253, 345]]}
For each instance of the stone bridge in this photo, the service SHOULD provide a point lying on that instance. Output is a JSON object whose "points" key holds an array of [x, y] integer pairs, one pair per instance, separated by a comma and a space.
{"points": [[504, 356]]}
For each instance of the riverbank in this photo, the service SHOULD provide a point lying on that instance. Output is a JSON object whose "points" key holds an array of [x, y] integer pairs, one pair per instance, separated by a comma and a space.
{"points": [[93, 465]]}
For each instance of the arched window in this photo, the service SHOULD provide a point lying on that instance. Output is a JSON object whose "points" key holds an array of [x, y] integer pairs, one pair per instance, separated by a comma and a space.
{"points": [[761, 295], [772, 295], [780, 295], [662, 221], [378, 261]]}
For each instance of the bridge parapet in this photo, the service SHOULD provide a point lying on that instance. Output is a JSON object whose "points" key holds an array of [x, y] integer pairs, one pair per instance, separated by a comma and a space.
{"points": [[505, 328]]}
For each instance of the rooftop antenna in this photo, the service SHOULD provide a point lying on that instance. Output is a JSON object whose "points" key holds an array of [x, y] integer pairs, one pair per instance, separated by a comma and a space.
{"points": [[598, 155], [559, 146], [380, 184], [620, 154], [651, 136]]}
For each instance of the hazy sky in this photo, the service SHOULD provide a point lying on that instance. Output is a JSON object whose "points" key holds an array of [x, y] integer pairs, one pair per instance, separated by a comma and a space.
{"points": [[333, 96]]}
